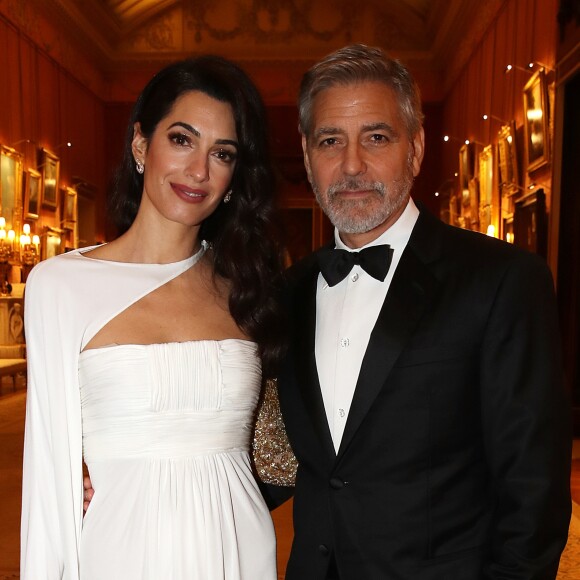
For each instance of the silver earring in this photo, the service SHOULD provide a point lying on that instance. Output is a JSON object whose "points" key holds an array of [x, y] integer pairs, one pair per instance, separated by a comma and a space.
{"points": [[139, 165], [228, 196]]}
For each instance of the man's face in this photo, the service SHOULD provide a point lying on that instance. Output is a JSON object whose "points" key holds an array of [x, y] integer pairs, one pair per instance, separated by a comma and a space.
{"points": [[360, 160]]}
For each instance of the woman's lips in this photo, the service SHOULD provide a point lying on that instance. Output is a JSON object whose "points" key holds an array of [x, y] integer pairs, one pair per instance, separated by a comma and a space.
{"points": [[189, 194]]}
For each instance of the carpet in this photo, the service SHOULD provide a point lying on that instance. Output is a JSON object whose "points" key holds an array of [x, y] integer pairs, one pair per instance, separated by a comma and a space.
{"points": [[570, 561]]}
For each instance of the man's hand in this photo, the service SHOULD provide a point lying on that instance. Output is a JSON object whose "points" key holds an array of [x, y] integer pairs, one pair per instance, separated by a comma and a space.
{"points": [[89, 492]]}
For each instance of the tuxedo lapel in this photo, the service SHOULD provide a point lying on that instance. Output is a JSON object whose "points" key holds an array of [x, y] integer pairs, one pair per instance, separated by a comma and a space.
{"points": [[304, 324], [411, 290]]}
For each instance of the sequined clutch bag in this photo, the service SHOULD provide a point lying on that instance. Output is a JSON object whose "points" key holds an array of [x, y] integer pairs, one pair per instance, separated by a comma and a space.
{"points": [[273, 458]]}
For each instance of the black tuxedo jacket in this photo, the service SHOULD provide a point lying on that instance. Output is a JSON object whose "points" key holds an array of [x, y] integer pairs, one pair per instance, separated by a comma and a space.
{"points": [[455, 459]]}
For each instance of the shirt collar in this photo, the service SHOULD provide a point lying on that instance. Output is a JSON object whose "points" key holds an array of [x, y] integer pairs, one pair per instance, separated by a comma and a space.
{"points": [[396, 236]]}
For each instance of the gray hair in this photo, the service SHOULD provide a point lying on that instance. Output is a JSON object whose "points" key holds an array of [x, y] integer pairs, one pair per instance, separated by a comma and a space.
{"points": [[356, 64]]}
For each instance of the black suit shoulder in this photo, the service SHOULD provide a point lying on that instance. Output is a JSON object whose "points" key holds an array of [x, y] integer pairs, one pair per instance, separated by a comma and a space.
{"points": [[434, 240]]}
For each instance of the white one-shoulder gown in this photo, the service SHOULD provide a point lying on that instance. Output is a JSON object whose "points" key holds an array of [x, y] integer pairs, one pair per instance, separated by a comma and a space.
{"points": [[166, 435]]}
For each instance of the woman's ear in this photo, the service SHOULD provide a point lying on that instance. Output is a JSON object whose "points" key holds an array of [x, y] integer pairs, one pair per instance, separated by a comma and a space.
{"points": [[139, 144]]}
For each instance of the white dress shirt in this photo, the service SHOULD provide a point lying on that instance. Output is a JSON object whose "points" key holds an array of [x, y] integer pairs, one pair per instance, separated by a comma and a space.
{"points": [[345, 317]]}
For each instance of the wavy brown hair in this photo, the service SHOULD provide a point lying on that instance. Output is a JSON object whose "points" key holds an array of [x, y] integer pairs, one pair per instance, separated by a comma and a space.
{"points": [[243, 232]]}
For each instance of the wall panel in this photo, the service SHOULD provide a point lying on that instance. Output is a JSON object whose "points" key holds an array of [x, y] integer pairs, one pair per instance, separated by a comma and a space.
{"points": [[523, 31], [43, 105]]}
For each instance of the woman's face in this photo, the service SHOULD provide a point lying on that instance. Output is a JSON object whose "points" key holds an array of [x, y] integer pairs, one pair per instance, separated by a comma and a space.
{"points": [[189, 160]]}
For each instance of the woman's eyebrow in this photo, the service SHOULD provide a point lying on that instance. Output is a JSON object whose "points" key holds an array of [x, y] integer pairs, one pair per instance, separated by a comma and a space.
{"points": [[186, 126], [193, 130]]}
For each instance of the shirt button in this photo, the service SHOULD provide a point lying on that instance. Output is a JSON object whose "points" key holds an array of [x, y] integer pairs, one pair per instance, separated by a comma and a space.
{"points": [[323, 550], [354, 277], [344, 342], [341, 413]]}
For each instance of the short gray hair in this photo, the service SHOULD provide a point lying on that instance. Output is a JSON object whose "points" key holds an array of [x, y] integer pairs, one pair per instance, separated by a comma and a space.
{"points": [[356, 64]]}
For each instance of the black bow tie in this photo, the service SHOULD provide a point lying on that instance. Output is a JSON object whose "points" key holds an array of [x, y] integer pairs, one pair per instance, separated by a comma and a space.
{"points": [[336, 264]]}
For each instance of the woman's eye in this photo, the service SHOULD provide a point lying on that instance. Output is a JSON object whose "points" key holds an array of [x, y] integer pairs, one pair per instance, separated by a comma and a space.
{"points": [[225, 155], [179, 139]]}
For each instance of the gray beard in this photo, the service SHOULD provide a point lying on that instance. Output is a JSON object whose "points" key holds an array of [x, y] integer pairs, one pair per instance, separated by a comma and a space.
{"points": [[353, 216]]}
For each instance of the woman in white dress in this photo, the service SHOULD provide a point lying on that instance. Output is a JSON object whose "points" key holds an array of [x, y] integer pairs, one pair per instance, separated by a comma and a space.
{"points": [[145, 354]]}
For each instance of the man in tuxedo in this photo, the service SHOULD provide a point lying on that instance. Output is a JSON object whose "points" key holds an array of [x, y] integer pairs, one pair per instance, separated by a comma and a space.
{"points": [[422, 392]]}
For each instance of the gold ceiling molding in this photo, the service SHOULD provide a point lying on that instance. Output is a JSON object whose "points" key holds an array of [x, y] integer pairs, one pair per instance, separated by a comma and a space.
{"points": [[277, 29], [270, 21], [432, 36]]}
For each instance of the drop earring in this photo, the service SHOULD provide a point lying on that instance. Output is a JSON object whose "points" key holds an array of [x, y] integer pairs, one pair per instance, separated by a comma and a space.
{"points": [[228, 196], [139, 166]]}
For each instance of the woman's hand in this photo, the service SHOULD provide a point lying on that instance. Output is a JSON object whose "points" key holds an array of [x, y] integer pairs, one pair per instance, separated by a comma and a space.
{"points": [[88, 493]]}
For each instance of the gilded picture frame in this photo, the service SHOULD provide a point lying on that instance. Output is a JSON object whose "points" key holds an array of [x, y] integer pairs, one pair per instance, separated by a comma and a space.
{"points": [[508, 175], [50, 242], [474, 203], [530, 222], [488, 204], [50, 168], [466, 170], [11, 169], [32, 194], [69, 208], [536, 123]]}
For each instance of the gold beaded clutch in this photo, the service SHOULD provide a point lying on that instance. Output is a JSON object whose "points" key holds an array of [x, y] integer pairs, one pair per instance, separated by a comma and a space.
{"points": [[274, 460]]}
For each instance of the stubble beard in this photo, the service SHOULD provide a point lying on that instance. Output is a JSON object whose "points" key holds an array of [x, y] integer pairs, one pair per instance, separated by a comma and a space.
{"points": [[358, 216]]}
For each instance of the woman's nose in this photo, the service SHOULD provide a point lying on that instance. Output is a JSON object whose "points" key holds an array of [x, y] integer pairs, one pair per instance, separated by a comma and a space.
{"points": [[198, 167]]}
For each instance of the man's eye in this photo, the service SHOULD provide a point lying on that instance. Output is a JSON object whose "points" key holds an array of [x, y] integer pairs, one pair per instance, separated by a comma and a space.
{"points": [[378, 138], [328, 142]]}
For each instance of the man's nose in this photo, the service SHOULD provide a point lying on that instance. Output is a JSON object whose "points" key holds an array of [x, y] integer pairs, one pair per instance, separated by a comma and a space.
{"points": [[353, 162]]}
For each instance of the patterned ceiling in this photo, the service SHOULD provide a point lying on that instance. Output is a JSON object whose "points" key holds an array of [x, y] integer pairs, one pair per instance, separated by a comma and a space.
{"points": [[258, 30]]}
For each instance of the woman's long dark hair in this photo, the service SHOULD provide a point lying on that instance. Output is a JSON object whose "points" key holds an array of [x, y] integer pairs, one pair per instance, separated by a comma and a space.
{"points": [[242, 233]]}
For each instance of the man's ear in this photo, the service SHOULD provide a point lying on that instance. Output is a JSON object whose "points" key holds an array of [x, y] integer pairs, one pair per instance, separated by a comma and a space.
{"points": [[306, 157], [418, 145], [139, 144]]}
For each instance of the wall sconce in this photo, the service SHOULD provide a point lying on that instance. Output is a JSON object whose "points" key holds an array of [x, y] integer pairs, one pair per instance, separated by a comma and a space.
{"points": [[488, 116], [30, 141], [29, 251], [448, 138], [6, 255], [528, 69], [528, 188], [511, 67]]}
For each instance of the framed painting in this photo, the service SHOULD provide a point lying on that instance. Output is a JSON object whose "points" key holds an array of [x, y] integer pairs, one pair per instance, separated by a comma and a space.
{"points": [[50, 242], [69, 208], [530, 223], [488, 200], [486, 176], [536, 126], [32, 194], [11, 187], [508, 177], [86, 213], [507, 232], [466, 170], [50, 165], [474, 203]]}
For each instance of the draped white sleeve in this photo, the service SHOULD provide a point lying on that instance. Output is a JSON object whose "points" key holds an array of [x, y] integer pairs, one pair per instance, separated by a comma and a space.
{"points": [[68, 299]]}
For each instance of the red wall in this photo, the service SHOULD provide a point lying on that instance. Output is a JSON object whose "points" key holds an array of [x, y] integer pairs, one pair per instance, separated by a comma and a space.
{"points": [[42, 105], [524, 31]]}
